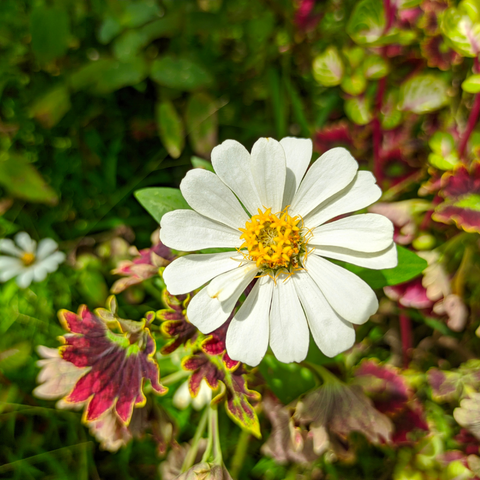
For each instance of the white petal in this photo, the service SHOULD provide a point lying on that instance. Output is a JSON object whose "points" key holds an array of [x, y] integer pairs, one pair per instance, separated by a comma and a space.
{"points": [[25, 242], [332, 172], [348, 294], [368, 232], [361, 193], [39, 273], [51, 263], [11, 271], [208, 313], [289, 336], [182, 398], [188, 273], [247, 335], [25, 278], [331, 333], [203, 397], [188, 230], [269, 169], [46, 247], [376, 260], [7, 246], [231, 162], [209, 196], [298, 152], [9, 262], [233, 282]]}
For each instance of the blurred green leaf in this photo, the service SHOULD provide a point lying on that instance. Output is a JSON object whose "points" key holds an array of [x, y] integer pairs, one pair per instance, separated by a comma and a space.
{"points": [[444, 155], [50, 108], [375, 67], [472, 84], [22, 180], [287, 380], [359, 110], [170, 128], [410, 265], [160, 200], [50, 30], [367, 21], [93, 287], [354, 83], [328, 67], [15, 357], [202, 123], [198, 162], [180, 73], [390, 115], [423, 93]]}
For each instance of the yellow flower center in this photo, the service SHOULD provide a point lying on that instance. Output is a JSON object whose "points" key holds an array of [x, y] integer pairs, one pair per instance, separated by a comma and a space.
{"points": [[27, 258], [274, 241]]}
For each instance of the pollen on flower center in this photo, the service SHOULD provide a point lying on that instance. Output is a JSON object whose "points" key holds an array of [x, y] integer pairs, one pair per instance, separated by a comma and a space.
{"points": [[274, 241], [27, 258]]}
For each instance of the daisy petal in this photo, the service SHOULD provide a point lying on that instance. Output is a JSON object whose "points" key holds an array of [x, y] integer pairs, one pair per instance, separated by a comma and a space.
{"points": [[46, 247], [8, 246], [375, 260], [268, 168], [188, 273], [348, 294], [209, 196], [233, 282], [298, 153], [51, 262], [231, 162], [247, 335], [368, 232], [39, 273], [289, 336], [11, 271], [331, 333], [25, 242], [25, 278], [361, 193], [9, 262], [207, 313], [332, 172], [188, 230]]}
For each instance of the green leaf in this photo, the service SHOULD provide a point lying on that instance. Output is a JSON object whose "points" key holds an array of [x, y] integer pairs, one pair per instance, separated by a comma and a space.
{"points": [[157, 201], [286, 380], [170, 128], [22, 180], [50, 30], [472, 84], [375, 67], [444, 156], [461, 26], [93, 287], [423, 93], [409, 266], [359, 110], [328, 67], [355, 55], [355, 83], [367, 22], [390, 115], [50, 108], [202, 123], [198, 162], [180, 73], [15, 357]]}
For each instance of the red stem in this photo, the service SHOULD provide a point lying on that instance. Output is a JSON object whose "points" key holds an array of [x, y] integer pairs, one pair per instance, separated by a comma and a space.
{"points": [[406, 334], [472, 119]]}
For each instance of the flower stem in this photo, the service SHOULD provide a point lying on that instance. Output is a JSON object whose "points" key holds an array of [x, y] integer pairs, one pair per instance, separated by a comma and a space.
{"points": [[192, 453], [213, 447], [175, 377], [473, 117], [406, 334], [322, 372], [240, 453]]}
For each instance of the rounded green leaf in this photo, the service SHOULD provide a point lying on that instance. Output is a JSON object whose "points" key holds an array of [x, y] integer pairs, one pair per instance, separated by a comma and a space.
{"points": [[157, 201], [170, 128], [423, 93], [354, 84], [472, 84], [328, 68], [375, 67], [180, 73], [367, 22], [359, 110], [390, 115]]}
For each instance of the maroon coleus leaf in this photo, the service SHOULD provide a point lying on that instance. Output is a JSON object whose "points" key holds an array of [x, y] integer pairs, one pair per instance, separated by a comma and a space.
{"points": [[469, 443], [118, 363], [384, 384], [460, 190], [214, 344], [438, 54], [175, 324], [232, 385], [334, 135], [410, 420], [305, 17], [145, 265]]}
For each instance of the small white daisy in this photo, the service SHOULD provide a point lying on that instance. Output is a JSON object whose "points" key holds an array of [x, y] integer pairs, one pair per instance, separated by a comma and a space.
{"points": [[26, 261], [277, 217]]}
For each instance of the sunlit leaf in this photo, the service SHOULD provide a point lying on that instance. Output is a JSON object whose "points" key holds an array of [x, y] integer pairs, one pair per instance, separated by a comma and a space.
{"points": [[423, 93], [160, 200], [328, 67]]}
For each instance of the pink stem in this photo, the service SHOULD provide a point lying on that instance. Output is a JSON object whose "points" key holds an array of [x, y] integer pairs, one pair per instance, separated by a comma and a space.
{"points": [[472, 119], [406, 334]]}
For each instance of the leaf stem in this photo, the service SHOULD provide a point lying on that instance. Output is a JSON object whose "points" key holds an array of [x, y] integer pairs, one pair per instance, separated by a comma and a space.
{"points": [[192, 452], [240, 453], [473, 117]]}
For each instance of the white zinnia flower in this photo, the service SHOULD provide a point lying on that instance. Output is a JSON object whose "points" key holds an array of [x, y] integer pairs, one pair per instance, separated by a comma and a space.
{"points": [[282, 234], [26, 261]]}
